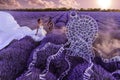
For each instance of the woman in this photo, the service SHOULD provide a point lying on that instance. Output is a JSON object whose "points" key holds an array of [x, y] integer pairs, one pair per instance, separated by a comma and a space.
{"points": [[44, 27], [40, 27]]}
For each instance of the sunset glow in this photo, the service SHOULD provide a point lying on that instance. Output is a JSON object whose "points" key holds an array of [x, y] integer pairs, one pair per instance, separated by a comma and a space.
{"points": [[104, 4], [77, 4]]}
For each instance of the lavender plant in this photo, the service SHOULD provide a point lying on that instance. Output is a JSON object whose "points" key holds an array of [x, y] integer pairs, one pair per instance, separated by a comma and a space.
{"points": [[13, 58]]}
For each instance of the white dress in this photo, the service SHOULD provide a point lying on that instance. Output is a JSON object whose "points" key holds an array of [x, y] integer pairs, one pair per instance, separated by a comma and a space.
{"points": [[41, 34], [10, 30]]}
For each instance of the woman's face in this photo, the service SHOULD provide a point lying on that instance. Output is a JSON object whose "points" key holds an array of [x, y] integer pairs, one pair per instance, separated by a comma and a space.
{"points": [[40, 22]]}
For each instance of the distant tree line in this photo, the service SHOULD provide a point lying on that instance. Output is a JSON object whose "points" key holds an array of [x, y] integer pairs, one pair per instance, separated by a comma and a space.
{"points": [[99, 9], [36, 9], [62, 9]]}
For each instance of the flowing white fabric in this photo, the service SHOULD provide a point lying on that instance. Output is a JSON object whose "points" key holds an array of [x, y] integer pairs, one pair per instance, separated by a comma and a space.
{"points": [[10, 30]]}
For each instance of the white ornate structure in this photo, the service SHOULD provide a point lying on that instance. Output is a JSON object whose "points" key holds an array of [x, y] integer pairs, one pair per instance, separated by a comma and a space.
{"points": [[81, 33]]}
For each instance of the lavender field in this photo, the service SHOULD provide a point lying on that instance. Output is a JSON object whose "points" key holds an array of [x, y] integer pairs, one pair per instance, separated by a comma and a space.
{"points": [[15, 58], [108, 22], [104, 19]]}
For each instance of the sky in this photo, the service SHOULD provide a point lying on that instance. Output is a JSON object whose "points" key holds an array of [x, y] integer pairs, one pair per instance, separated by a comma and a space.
{"points": [[77, 4]]}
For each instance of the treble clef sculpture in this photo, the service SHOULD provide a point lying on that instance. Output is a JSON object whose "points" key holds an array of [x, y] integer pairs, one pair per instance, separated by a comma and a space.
{"points": [[81, 33]]}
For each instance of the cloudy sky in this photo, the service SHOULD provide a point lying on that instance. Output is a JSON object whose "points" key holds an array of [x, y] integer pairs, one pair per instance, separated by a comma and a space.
{"points": [[11, 4]]}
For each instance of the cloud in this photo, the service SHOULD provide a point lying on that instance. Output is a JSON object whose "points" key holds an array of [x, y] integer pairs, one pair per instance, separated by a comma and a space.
{"points": [[41, 3], [68, 3], [53, 3], [4, 4], [38, 4]]}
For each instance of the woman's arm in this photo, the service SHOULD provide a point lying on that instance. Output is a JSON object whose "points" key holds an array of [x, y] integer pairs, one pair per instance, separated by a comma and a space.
{"points": [[48, 26], [37, 30]]}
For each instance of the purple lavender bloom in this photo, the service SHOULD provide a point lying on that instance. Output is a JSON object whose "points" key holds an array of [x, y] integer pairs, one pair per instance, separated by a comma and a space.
{"points": [[13, 59]]}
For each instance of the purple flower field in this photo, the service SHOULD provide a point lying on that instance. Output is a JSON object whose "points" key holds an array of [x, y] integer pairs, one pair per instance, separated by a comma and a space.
{"points": [[108, 22], [15, 58]]}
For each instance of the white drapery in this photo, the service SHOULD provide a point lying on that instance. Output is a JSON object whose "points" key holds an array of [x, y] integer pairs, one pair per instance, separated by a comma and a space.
{"points": [[10, 30]]}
